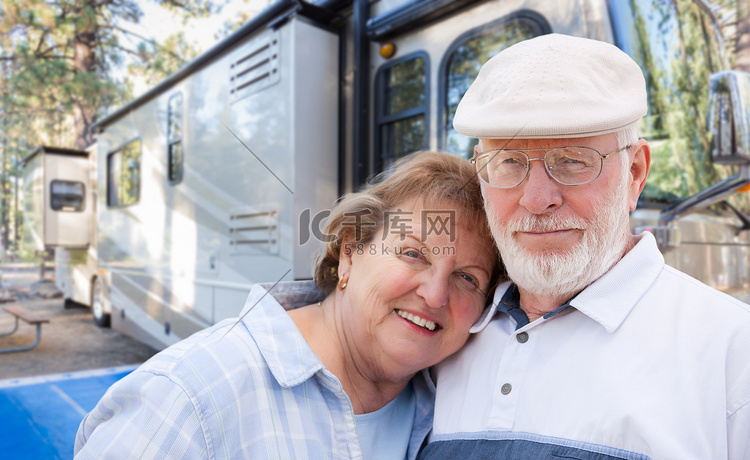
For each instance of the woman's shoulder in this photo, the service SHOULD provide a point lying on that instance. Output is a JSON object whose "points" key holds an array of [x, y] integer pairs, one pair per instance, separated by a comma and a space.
{"points": [[226, 345], [263, 340]]}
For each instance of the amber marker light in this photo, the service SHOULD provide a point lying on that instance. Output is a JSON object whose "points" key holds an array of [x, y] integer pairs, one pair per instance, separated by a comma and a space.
{"points": [[744, 188], [387, 50]]}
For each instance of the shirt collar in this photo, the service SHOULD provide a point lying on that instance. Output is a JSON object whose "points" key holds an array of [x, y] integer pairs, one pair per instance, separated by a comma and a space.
{"points": [[287, 354], [491, 309], [292, 362], [608, 300]]}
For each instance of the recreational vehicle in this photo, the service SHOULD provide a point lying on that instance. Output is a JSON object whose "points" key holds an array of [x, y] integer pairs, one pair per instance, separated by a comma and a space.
{"points": [[219, 177]]}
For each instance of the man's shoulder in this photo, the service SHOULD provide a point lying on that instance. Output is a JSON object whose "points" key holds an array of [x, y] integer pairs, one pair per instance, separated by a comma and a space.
{"points": [[678, 283], [693, 291]]}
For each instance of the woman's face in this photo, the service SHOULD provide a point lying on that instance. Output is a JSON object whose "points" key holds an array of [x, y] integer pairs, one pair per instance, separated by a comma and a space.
{"points": [[414, 291]]}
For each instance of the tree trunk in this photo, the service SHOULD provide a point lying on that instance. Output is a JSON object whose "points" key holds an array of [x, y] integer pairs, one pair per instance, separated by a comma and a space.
{"points": [[5, 225], [84, 66]]}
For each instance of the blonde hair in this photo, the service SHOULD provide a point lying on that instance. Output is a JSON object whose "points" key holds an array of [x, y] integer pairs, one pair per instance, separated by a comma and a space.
{"points": [[436, 178]]}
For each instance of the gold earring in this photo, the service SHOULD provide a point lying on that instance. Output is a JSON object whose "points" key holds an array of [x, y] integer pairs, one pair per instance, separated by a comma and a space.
{"points": [[342, 284]]}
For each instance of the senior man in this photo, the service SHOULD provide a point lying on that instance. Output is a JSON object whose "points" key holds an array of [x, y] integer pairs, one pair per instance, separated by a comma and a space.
{"points": [[597, 349]]}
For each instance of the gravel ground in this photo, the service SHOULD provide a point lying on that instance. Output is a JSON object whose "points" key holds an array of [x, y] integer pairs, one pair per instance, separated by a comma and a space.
{"points": [[70, 341]]}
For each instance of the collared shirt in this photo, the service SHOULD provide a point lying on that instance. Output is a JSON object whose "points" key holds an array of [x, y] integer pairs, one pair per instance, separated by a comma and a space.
{"points": [[247, 388], [645, 363]]}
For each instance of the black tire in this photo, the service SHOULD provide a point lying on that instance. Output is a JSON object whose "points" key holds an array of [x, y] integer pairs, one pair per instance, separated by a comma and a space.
{"points": [[101, 318], [70, 303]]}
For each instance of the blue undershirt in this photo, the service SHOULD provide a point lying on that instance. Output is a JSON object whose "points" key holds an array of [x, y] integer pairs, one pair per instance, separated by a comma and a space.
{"points": [[384, 434]]}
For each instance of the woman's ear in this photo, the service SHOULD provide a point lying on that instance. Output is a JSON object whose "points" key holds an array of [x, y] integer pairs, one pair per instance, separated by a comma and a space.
{"points": [[345, 257]]}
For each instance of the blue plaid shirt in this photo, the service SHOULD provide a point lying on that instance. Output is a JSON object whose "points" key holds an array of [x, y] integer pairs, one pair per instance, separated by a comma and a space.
{"points": [[247, 389]]}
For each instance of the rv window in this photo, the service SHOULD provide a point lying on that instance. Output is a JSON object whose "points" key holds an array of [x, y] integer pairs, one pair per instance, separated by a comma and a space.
{"points": [[66, 195], [175, 157], [401, 109], [124, 175], [467, 56], [175, 162]]}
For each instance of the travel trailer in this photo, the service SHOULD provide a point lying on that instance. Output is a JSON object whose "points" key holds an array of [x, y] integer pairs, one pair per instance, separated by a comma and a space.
{"points": [[59, 212], [219, 177], [56, 201]]}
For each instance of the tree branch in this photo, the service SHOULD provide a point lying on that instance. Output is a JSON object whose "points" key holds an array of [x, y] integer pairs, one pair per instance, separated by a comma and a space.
{"points": [[130, 33]]}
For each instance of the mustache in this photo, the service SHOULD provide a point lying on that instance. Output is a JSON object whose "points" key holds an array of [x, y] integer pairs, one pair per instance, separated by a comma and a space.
{"points": [[550, 223]]}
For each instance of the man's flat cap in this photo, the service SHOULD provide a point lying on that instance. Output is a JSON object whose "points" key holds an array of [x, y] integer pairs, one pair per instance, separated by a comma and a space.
{"points": [[553, 86]]}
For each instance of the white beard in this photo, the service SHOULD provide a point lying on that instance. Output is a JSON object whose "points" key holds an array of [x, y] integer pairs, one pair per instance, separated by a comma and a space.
{"points": [[564, 274]]}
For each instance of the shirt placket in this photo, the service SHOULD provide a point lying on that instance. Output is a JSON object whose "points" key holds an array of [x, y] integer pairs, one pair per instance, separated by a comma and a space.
{"points": [[510, 377], [344, 442]]}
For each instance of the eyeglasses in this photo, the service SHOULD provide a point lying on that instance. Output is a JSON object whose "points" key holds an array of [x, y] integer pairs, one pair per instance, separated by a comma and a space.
{"points": [[566, 165]]}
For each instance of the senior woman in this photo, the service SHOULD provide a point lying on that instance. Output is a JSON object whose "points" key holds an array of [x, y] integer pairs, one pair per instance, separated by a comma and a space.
{"points": [[332, 372]]}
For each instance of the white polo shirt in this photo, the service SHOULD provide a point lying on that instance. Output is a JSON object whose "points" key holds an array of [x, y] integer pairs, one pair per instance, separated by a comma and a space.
{"points": [[646, 362]]}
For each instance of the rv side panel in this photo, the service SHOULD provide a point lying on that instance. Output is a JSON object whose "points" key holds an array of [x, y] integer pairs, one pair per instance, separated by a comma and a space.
{"points": [[200, 186]]}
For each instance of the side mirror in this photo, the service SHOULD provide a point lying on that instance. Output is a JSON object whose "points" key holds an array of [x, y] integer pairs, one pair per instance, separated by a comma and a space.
{"points": [[729, 117]]}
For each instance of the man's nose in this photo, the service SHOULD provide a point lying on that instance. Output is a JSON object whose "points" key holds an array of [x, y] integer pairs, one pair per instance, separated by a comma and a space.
{"points": [[541, 193]]}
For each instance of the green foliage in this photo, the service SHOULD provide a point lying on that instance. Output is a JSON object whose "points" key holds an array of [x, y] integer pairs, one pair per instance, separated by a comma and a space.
{"points": [[164, 59], [60, 62], [246, 12]]}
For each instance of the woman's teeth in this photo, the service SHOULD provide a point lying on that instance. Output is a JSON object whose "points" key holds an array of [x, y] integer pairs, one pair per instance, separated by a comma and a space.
{"points": [[421, 322]]}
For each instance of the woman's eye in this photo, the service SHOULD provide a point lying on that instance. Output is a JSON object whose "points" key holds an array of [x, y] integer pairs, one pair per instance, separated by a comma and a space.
{"points": [[412, 253], [469, 278]]}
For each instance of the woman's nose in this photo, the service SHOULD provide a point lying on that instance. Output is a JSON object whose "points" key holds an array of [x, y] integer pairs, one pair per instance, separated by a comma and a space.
{"points": [[434, 290]]}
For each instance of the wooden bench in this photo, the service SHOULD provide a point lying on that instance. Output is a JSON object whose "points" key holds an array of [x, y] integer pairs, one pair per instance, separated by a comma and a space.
{"points": [[21, 313]]}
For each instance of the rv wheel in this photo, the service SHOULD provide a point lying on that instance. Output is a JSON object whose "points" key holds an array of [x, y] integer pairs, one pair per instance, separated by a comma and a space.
{"points": [[101, 318]]}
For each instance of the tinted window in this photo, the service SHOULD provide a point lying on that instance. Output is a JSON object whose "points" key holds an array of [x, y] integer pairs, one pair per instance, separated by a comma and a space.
{"points": [[175, 157], [67, 195], [467, 57], [124, 175], [402, 109]]}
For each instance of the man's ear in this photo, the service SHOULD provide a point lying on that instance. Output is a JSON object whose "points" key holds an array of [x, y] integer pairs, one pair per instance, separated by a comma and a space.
{"points": [[478, 148], [640, 163]]}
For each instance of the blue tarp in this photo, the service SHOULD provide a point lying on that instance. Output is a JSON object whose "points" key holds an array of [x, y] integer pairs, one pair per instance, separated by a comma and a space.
{"points": [[40, 415]]}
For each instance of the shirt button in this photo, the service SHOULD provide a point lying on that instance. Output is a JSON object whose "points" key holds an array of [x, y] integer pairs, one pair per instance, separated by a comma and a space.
{"points": [[505, 389], [522, 337]]}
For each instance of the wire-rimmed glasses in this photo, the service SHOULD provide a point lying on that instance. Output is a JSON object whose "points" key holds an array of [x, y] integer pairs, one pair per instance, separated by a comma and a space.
{"points": [[566, 165]]}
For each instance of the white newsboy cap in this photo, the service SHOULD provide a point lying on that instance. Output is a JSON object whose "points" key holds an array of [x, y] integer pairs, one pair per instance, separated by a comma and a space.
{"points": [[553, 86]]}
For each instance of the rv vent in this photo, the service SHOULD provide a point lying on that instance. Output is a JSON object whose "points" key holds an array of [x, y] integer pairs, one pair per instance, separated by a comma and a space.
{"points": [[254, 66], [254, 230]]}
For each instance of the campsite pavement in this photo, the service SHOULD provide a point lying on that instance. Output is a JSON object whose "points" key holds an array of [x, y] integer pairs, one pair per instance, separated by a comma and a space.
{"points": [[70, 341]]}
